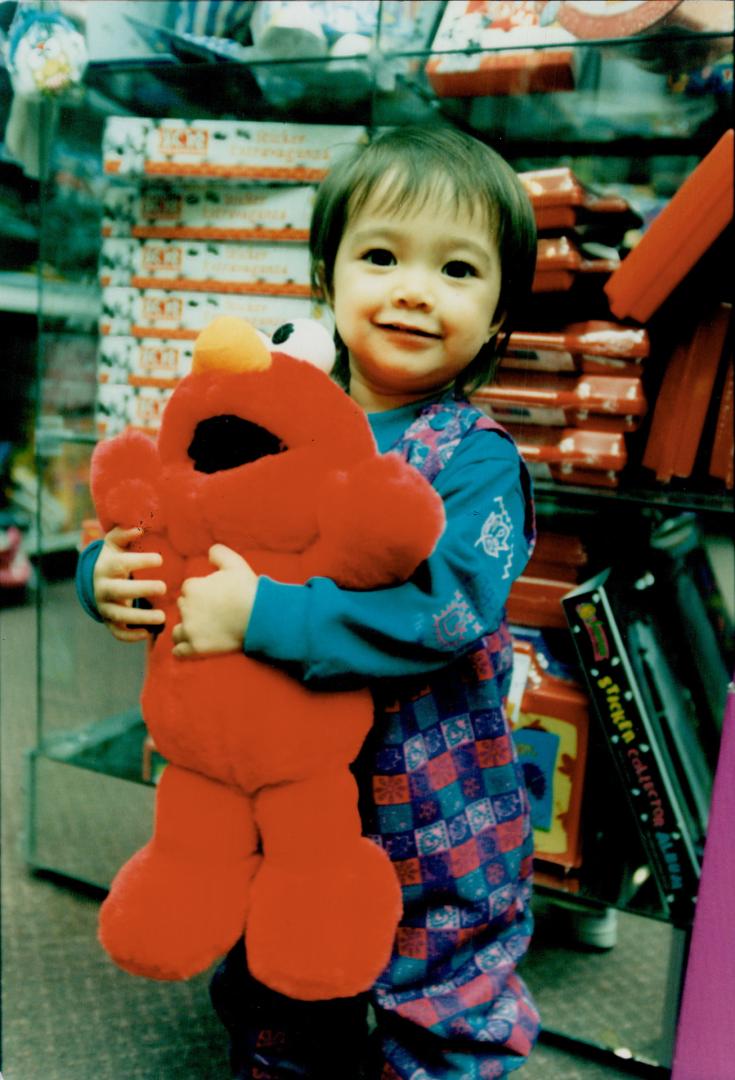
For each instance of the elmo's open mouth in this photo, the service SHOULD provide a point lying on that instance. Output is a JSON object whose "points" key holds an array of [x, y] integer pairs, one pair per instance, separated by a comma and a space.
{"points": [[225, 442]]}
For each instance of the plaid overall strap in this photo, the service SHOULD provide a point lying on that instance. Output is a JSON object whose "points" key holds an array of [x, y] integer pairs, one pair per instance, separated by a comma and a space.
{"points": [[443, 794], [428, 444]]}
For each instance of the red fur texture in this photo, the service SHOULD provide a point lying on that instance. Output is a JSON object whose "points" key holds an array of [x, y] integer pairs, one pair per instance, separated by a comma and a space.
{"points": [[257, 829]]}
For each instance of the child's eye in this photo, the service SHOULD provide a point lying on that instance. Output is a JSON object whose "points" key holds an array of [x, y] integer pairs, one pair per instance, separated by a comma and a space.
{"points": [[379, 257], [458, 268]]}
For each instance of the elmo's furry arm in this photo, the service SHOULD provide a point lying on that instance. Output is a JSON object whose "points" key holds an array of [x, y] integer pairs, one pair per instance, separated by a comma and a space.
{"points": [[125, 477], [377, 523]]}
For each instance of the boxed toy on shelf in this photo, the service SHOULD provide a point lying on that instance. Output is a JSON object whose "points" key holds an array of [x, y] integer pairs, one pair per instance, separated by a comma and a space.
{"points": [[561, 201], [550, 718], [595, 347], [163, 313], [202, 243], [596, 402], [120, 406], [571, 455], [144, 361], [570, 381], [556, 565], [206, 266], [559, 263], [641, 707], [523, 43], [207, 210], [233, 149]]}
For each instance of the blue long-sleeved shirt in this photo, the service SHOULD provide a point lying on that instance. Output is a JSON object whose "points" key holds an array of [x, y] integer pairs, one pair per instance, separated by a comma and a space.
{"points": [[324, 633]]}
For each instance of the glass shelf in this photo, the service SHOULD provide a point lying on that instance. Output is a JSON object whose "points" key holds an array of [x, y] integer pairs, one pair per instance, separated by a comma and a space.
{"points": [[382, 87], [677, 498], [23, 293]]}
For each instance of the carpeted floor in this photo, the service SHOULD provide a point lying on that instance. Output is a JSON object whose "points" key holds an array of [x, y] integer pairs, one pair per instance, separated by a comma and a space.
{"points": [[68, 1014]]}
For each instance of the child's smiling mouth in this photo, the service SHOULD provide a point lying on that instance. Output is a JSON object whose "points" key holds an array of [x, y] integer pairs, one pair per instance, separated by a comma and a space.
{"points": [[414, 331]]}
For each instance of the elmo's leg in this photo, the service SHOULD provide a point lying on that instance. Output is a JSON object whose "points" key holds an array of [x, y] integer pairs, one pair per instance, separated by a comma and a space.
{"points": [[326, 901], [181, 901]]}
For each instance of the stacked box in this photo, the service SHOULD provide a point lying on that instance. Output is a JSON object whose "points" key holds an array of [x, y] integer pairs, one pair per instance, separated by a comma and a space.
{"points": [[598, 402], [208, 210], [206, 266], [163, 313], [120, 406], [198, 243], [233, 149], [132, 361]]}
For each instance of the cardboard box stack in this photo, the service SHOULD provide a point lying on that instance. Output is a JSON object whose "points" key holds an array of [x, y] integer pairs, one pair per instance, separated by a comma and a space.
{"points": [[200, 218]]}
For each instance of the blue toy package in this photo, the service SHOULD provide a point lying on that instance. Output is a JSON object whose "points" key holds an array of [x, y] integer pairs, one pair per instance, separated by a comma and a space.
{"points": [[45, 53]]}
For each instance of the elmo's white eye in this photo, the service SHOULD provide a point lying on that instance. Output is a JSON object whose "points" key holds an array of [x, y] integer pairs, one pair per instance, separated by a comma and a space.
{"points": [[305, 339]]}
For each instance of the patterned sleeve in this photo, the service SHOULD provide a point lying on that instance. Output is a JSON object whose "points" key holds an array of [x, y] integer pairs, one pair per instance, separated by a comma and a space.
{"points": [[457, 596]]}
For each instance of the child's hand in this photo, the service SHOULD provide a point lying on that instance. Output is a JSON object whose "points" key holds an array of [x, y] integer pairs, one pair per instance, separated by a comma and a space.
{"points": [[215, 610], [114, 590]]}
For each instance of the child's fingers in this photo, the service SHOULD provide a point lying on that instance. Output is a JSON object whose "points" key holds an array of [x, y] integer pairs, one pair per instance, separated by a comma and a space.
{"points": [[126, 615], [114, 589], [116, 562], [122, 563], [123, 537], [123, 633], [142, 560]]}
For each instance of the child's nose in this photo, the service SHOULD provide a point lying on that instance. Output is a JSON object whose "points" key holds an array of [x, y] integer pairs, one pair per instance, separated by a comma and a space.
{"points": [[413, 290]]}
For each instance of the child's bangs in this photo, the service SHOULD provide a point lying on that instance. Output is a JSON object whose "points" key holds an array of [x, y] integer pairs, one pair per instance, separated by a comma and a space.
{"points": [[411, 187]]}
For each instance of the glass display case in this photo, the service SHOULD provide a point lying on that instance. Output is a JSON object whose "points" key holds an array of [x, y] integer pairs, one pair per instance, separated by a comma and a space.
{"points": [[628, 117]]}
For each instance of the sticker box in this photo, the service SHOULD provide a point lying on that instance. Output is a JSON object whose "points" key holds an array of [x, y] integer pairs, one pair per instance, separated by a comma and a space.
{"points": [[206, 266], [206, 211], [238, 149], [134, 361], [159, 313], [120, 407]]}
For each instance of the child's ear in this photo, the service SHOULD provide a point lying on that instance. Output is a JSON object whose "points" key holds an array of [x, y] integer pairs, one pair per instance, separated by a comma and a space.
{"points": [[321, 277], [495, 326]]}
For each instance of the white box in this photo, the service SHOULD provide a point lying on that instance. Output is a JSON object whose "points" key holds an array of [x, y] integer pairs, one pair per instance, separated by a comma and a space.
{"points": [[120, 407], [111, 408], [208, 211], [206, 266], [302, 153], [133, 361], [160, 313]]}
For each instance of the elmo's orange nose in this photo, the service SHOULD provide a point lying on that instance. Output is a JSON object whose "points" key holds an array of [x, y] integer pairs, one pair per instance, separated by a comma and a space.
{"points": [[230, 345]]}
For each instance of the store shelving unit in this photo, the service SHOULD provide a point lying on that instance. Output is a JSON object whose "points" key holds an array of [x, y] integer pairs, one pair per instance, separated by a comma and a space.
{"points": [[604, 129]]}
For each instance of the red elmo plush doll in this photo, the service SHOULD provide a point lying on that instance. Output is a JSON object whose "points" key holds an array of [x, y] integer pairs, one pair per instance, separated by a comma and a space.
{"points": [[257, 828]]}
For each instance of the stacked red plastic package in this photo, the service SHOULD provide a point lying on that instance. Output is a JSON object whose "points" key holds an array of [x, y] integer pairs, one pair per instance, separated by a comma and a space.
{"points": [[569, 398]]}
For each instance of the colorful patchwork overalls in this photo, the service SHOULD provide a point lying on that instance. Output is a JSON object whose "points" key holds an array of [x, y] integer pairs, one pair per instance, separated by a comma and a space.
{"points": [[443, 793]]}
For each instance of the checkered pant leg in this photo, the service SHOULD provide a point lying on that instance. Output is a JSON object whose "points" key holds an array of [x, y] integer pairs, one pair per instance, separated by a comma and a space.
{"points": [[444, 795]]}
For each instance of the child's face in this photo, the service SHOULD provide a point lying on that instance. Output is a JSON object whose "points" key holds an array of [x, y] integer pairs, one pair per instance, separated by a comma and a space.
{"points": [[414, 295]]}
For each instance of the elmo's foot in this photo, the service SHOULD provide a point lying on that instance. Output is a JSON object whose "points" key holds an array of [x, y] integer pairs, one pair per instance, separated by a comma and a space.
{"points": [[326, 933], [169, 919]]}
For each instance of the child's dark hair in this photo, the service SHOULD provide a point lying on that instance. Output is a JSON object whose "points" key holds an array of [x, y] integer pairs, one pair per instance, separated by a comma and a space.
{"points": [[424, 160]]}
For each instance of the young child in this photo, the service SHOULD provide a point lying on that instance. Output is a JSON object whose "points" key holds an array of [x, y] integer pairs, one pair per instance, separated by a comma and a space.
{"points": [[423, 242]]}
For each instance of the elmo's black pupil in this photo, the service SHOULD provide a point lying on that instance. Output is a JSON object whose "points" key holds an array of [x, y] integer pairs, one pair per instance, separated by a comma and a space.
{"points": [[224, 442]]}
